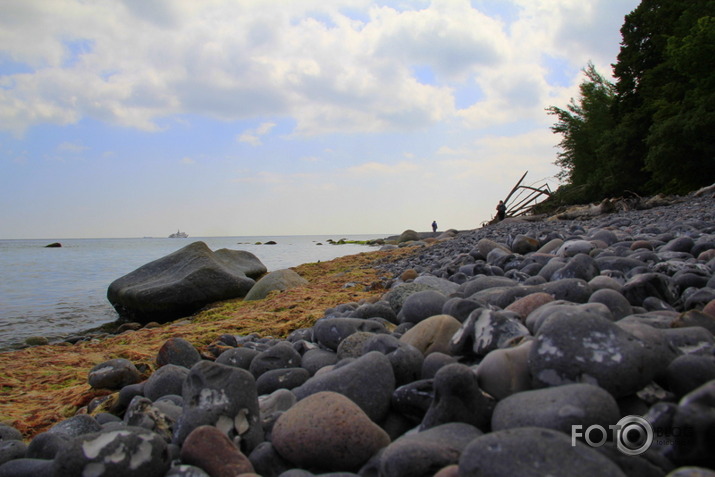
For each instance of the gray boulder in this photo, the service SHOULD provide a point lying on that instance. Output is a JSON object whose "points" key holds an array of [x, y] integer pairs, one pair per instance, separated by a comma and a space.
{"points": [[182, 282], [557, 408], [278, 280], [409, 235], [532, 451]]}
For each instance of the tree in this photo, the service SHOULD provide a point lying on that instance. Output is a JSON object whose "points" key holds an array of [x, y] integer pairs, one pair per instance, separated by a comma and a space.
{"points": [[651, 131], [585, 125], [681, 150], [658, 107]]}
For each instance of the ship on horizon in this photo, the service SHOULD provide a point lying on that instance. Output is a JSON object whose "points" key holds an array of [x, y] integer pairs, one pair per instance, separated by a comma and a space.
{"points": [[179, 234]]}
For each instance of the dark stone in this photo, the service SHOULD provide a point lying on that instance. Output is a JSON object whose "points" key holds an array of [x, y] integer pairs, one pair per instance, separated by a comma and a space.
{"points": [[186, 471], [11, 449], [423, 454], [329, 332], [267, 462], [690, 340], [421, 305], [368, 381], [523, 244], [282, 355], [177, 351], [9, 433], [581, 266], [458, 398], [648, 464], [47, 444], [169, 379], [645, 285], [406, 360], [375, 310], [698, 299], [121, 452], [594, 350], [352, 346], [142, 412], [283, 378], [182, 282], [680, 244], [76, 426], [53, 245], [615, 301], [695, 419], [566, 309], [557, 408], [433, 362], [125, 396], [494, 330], [315, 359], [27, 468], [114, 374], [688, 372], [620, 264], [574, 290], [522, 451], [460, 308], [483, 282], [221, 396], [414, 399], [238, 357]]}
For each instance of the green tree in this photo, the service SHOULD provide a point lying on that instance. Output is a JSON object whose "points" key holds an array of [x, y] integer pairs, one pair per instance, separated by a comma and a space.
{"points": [[651, 131], [658, 106], [584, 126], [681, 149]]}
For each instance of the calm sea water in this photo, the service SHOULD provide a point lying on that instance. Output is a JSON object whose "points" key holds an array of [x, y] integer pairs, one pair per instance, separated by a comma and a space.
{"points": [[55, 292]]}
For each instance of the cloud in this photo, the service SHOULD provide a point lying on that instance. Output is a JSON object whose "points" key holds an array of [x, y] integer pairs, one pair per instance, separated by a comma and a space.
{"points": [[253, 136], [332, 67], [188, 161], [71, 147], [378, 168]]}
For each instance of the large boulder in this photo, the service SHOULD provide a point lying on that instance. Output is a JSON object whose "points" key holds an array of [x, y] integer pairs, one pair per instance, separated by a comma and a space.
{"points": [[182, 282], [278, 280]]}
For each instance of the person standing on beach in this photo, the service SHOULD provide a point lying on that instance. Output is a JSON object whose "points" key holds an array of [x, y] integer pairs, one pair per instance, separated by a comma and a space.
{"points": [[434, 226], [501, 210]]}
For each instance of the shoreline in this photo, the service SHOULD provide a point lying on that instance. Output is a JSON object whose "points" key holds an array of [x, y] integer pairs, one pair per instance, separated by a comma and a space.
{"points": [[490, 335], [45, 384]]}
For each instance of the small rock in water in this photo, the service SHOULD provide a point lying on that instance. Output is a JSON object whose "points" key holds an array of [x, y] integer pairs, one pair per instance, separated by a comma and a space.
{"points": [[37, 341]]}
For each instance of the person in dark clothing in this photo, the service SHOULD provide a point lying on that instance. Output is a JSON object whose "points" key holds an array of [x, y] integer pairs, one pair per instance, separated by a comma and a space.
{"points": [[434, 226], [501, 210]]}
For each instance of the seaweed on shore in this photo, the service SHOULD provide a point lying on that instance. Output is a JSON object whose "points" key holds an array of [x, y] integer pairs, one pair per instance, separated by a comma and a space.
{"points": [[43, 385]]}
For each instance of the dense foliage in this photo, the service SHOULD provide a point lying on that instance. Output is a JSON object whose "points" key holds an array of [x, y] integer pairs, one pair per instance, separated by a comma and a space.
{"points": [[653, 129]]}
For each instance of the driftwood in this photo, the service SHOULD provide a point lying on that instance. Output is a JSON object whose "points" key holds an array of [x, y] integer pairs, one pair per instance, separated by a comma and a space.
{"points": [[525, 197]]}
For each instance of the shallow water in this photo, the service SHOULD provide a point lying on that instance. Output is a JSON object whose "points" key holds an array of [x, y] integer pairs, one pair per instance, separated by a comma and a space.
{"points": [[54, 292]]}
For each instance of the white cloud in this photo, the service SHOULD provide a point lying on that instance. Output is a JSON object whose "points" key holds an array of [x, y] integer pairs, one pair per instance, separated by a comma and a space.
{"points": [[71, 147], [378, 168], [253, 136]]}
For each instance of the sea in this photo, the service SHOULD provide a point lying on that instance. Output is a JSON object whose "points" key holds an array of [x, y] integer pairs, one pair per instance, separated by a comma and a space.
{"points": [[57, 292]]}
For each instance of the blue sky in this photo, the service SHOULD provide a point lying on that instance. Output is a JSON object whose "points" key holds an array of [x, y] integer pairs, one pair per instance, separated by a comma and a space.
{"points": [[281, 117]]}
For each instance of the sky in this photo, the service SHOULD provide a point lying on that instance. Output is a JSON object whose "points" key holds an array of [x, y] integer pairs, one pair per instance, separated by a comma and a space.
{"points": [[134, 118]]}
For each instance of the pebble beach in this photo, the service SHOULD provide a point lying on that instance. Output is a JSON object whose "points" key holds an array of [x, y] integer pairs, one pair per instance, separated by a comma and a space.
{"points": [[500, 351]]}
